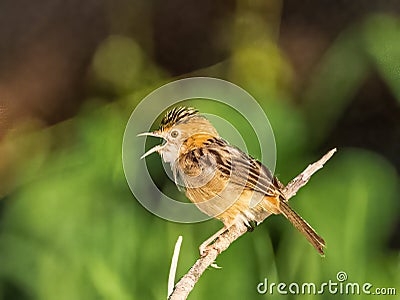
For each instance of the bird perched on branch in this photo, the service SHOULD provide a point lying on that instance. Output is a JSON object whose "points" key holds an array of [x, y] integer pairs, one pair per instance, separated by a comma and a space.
{"points": [[220, 179]]}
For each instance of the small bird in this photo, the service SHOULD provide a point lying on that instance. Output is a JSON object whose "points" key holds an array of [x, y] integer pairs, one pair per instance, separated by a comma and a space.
{"points": [[220, 179]]}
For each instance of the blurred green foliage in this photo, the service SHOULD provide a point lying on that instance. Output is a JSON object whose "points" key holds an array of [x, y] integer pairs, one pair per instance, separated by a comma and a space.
{"points": [[71, 228]]}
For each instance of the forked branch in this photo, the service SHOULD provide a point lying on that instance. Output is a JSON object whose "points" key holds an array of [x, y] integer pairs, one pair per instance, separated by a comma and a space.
{"points": [[188, 281]]}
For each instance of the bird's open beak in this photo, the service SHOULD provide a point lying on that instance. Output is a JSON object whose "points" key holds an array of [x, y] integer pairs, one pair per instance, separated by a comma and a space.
{"points": [[157, 148]]}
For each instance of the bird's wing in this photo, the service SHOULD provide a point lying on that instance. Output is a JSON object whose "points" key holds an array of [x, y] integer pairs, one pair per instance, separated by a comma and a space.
{"points": [[213, 153]]}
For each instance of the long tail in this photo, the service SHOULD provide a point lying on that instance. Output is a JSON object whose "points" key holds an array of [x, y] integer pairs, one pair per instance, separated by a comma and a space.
{"points": [[302, 226]]}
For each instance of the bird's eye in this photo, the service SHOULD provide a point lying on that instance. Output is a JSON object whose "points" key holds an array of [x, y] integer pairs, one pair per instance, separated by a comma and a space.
{"points": [[174, 133]]}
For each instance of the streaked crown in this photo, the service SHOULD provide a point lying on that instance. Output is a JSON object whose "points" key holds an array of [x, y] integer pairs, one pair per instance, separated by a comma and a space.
{"points": [[177, 115]]}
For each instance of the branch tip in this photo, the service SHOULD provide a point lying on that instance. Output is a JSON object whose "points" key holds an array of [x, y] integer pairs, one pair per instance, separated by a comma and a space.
{"points": [[174, 264]]}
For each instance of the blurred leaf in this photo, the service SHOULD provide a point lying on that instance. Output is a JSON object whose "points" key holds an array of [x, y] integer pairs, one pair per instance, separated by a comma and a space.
{"points": [[337, 78], [261, 70], [382, 39], [121, 65]]}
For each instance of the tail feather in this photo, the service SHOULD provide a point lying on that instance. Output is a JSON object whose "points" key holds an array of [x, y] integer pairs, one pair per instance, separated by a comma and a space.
{"points": [[302, 226]]}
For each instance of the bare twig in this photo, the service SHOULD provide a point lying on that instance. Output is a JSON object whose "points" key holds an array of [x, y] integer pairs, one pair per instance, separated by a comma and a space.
{"points": [[301, 180], [174, 264], [187, 282]]}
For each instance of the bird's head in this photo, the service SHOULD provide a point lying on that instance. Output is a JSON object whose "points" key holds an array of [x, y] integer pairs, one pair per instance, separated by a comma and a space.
{"points": [[176, 127]]}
